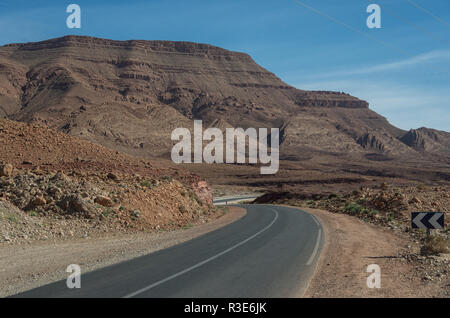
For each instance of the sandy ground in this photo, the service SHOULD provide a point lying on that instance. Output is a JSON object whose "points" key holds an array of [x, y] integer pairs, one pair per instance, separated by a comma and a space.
{"points": [[23, 267], [350, 246]]}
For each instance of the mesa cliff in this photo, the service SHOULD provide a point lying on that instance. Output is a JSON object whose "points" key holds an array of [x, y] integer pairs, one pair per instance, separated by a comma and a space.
{"points": [[130, 95]]}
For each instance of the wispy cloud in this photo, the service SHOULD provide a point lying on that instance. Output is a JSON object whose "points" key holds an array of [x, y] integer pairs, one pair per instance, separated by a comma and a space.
{"points": [[421, 59], [404, 106]]}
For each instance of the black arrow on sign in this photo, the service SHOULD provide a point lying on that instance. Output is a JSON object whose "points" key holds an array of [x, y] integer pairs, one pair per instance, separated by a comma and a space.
{"points": [[427, 220]]}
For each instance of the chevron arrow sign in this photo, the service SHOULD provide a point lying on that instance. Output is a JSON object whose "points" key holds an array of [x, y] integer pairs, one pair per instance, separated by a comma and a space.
{"points": [[427, 220]]}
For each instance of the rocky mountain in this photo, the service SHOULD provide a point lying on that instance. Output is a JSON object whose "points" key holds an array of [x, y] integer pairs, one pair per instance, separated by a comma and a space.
{"points": [[130, 95], [428, 140]]}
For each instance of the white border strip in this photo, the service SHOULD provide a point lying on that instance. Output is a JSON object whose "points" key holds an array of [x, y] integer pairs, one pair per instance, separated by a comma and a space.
{"points": [[316, 247]]}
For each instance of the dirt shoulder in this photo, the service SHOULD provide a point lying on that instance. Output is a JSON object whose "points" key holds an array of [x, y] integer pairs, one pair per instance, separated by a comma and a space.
{"points": [[27, 266], [352, 244]]}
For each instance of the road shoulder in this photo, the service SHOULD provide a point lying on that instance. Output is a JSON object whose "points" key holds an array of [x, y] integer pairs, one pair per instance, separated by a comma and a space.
{"points": [[27, 266], [350, 245]]}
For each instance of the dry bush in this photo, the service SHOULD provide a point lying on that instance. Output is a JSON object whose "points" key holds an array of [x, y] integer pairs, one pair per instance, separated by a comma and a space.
{"points": [[434, 245]]}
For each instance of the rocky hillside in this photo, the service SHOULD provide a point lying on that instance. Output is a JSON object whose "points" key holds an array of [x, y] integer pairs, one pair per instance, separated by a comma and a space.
{"points": [[428, 140], [63, 186], [130, 95], [37, 147]]}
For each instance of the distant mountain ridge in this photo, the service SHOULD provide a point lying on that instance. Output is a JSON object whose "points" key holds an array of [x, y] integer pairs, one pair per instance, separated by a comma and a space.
{"points": [[428, 140], [130, 95]]}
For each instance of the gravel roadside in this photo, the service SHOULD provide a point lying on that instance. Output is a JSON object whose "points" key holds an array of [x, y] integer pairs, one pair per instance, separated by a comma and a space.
{"points": [[27, 266], [351, 245]]}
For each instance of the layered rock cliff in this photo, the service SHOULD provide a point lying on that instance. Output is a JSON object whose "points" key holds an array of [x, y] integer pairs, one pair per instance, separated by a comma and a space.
{"points": [[130, 95]]}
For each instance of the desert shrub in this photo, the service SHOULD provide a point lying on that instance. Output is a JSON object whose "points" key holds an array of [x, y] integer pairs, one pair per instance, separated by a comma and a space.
{"points": [[167, 178], [353, 208], [107, 212], [434, 245], [12, 218], [187, 226], [145, 184], [421, 187], [224, 209], [182, 209], [195, 197], [390, 216], [361, 201]]}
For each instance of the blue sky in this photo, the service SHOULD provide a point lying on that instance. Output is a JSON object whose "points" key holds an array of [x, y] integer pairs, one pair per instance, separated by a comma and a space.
{"points": [[402, 69]]}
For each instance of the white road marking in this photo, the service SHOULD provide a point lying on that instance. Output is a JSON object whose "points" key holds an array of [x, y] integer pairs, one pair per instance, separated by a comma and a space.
{"points": [[140, 291], [316, 247], [315, 220]]}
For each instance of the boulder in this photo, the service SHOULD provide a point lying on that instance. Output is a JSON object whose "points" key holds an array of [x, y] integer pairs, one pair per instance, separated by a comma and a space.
{"points": [[203, 191], [54, 192], [112, 176], [74, 203], [59, 176], [38, 201], [104, 201], [6, 170]]}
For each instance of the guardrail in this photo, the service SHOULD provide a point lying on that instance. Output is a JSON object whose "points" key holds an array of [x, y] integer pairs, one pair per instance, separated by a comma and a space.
{"points": [[234, 199]]}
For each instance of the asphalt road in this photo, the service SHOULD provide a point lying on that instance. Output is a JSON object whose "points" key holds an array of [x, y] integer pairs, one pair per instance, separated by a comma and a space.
{"points": [[271, 252]]}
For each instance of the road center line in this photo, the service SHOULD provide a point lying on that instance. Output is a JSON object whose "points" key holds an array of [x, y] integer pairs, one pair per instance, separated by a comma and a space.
{"points": [[140, 291]]}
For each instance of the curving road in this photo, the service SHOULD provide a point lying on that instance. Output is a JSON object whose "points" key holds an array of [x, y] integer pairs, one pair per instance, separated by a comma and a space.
{"points": [[271, 252]]}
